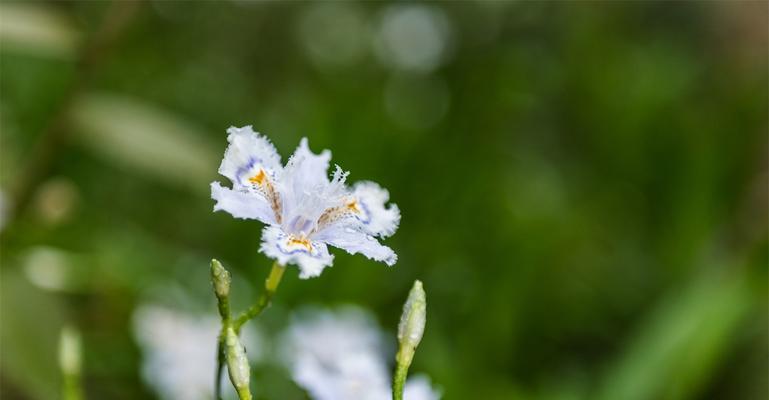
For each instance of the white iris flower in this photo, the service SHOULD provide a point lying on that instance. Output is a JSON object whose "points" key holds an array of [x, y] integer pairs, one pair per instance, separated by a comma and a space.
{"points": [[303, 209], [179, 355], [339, 355]]}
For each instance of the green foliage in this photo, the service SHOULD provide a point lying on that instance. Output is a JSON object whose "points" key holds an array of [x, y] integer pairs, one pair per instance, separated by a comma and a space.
{"points": [[583, 186]]}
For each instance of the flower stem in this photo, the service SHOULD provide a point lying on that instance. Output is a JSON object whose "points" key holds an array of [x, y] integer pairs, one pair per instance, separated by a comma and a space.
{"points": [[221, 281], [270, 287], [219, 364], [220, 278], [399, 379]]}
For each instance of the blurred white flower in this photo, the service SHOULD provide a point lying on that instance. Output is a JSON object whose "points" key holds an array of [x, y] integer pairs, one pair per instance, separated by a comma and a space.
{"points": [[418, 387], [338, 355], [179, 352], [50, 268], [413, 37], [304, 210]]}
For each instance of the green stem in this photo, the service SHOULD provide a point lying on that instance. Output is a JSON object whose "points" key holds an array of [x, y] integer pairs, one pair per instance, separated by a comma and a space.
{"points": [[219, 364], [244, 394], [220, 278], [224, 311], [72, 389], [270, 287], [399, 380]]}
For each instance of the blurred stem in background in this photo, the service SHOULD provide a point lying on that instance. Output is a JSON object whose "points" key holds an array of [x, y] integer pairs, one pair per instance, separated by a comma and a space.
{"points": [[229, 348], [53, 139], [70, 361]]}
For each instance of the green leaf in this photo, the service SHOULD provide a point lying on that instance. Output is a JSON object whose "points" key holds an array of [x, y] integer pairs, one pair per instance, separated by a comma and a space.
{"points": [[146, 139], [680, 343]]}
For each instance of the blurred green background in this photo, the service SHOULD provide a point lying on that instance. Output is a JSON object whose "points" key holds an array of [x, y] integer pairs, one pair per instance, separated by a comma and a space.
{"points": [[583, 184]]}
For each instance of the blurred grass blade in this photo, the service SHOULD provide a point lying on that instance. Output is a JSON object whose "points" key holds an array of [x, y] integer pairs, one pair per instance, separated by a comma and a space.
{"points": [[29, 336], [37, 29], [144, 138], [70, 361], [682, 341]]}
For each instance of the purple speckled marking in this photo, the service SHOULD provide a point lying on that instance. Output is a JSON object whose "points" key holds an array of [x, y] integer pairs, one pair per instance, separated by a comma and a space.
{"points": [[292, 252], [297, 251], [368, 213], [242, 170]]}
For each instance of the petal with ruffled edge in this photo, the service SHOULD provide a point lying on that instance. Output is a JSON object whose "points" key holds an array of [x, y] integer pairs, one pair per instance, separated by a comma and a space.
{"points": [[354, 241], [247, 153], [371, 210], [310, 255], [306, 188], [245, 205], [306, 169]]}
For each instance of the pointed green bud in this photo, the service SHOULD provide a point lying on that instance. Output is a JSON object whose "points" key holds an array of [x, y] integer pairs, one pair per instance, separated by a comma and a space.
{"points": [[237, 364], [221, 279], [410, 330], [412, 324]]}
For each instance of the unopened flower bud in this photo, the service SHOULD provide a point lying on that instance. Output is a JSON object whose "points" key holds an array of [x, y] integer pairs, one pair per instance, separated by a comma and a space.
{"points": [[412, 323], [221, 279], [237, 364]]}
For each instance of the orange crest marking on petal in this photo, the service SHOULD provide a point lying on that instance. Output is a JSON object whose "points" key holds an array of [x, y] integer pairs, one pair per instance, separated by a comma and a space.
{"points": [[333, 214], [262, 181], [353, 206], [259, 178], [301, 242]]}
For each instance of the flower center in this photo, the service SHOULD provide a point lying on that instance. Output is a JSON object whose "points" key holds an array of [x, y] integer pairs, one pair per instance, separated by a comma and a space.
{"points": [[301, 225]]}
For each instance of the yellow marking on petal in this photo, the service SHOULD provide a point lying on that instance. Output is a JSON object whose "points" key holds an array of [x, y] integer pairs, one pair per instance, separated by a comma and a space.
{"points": [[266, 188], [353, 206], [259, 178], [300, 241]]}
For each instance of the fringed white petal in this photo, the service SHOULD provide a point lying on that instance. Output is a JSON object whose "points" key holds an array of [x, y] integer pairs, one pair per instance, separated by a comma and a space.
{"points": [[247, 152], [246, 205], [376, 217], [354, 241], [306, 170], [306, 189], [310, 255]]}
